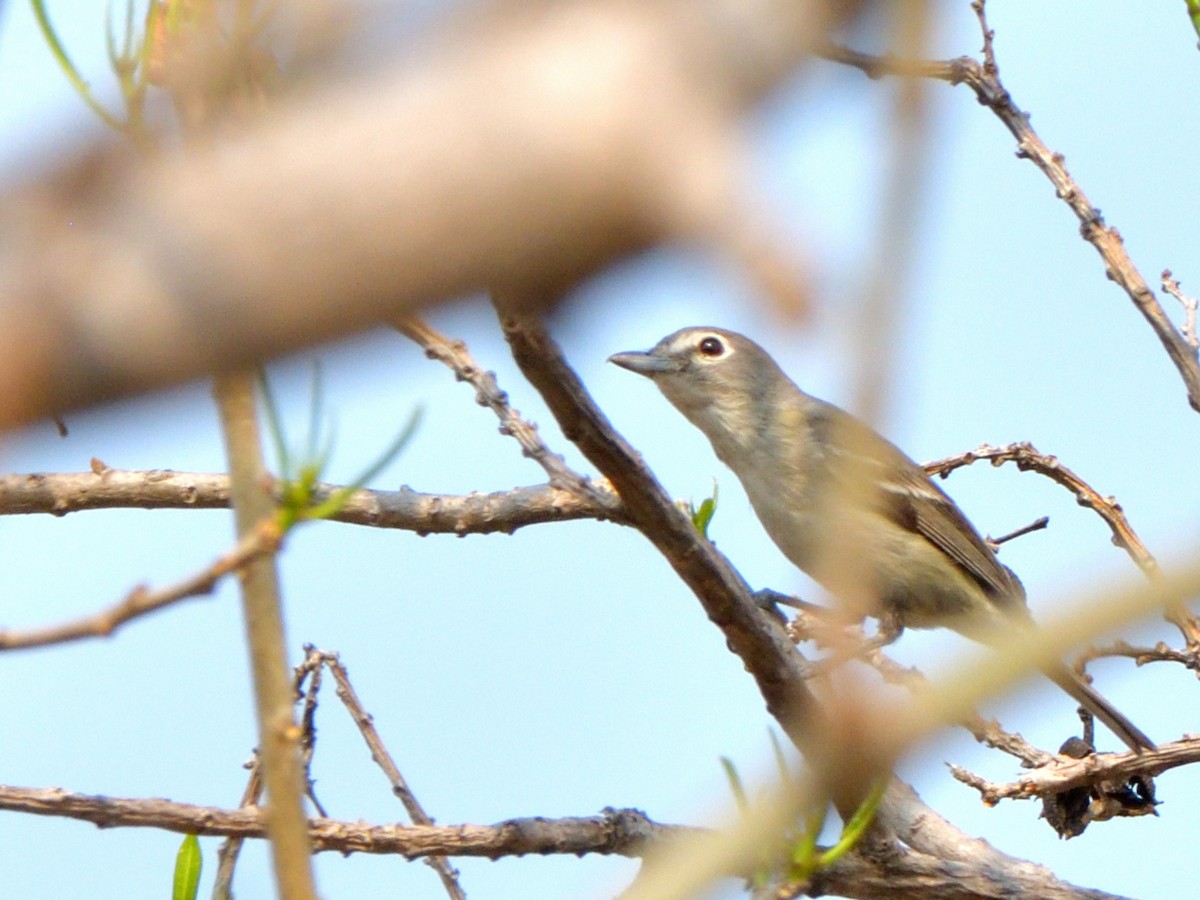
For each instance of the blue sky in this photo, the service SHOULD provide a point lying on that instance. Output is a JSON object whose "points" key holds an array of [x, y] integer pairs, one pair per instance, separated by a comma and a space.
{"points": [[563, 669]]}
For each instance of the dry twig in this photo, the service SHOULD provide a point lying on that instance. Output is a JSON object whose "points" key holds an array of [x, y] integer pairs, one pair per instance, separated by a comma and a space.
{"points": [[1029, 459], [379, 753], [1189, 304], [984, 80], [262, 541], [454, 354], [1064, 773]]}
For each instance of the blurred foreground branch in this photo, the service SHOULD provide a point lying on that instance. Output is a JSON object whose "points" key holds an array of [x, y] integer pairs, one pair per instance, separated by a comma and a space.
{"points": [[262, 612], [524, 147]]}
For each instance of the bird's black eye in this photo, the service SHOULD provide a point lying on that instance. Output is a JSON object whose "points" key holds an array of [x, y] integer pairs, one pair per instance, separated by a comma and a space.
{"points": [[711, 346]]}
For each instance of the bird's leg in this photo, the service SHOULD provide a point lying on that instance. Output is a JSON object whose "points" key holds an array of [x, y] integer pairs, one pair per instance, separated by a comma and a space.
{"points": [[889, 631], [769, 602]]}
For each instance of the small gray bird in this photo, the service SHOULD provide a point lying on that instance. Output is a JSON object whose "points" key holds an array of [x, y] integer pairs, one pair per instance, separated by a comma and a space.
{"points": [[843, 503]]}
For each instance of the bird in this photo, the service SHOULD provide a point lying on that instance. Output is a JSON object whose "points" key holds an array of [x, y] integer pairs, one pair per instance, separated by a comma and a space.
{"points": [[844, 504]]}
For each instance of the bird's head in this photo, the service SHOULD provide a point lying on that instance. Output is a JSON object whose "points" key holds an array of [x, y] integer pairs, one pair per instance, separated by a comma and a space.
{"points": [[716, 378]]}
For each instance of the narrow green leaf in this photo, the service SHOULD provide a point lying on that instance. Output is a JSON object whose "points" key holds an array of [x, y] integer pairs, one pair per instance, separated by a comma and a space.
{"points": [[187, 870], [804, 851], [785, 773], [858, 824], [702, 516], [275, 426], [110, 42], [68, 67], [334, 503], [735, 785], [316, 412], [1193, 8]]}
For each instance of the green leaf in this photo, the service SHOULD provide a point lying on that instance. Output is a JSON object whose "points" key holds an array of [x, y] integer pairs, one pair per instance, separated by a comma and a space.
{"points": [[702, 516], [187, 870], [299, 473], [857, 826], [68, 67], [785, 773], [1193, 8], [338, 500], [804, 850], [735, 785], [275, 427]]}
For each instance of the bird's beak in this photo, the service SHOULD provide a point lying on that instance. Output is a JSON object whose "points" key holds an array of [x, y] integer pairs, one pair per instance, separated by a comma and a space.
{"points": [[644, 362]]}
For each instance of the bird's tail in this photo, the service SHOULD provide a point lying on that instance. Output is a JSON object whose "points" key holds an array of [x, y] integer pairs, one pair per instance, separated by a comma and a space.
{"points": [[1091, 700]]}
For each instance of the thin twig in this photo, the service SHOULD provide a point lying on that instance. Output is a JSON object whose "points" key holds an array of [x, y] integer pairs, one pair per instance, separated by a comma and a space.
{"points": [[231, 847], [1037, 524], [983, 79], [263, 540], [308, 724], [454, 354], [349, 697], [814, 624], [1029, 459], [1066, 773], [1171, 286], [1160, 652]]}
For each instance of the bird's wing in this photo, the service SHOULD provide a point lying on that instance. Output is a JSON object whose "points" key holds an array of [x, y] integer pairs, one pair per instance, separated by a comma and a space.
{"points": [[907, 496], [912, 498]]}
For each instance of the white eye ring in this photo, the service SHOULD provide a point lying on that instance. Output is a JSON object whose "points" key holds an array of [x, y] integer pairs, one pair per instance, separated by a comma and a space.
{"points": [[711, 346]]}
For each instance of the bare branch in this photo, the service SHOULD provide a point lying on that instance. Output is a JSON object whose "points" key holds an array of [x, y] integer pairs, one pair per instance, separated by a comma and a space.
{"points": [[620, 832], [262, 611], [1029, 459], [487, 393], [973, 872], [502, 511], [262, 541], [984, 80], [379, 753], [1065, 773]]}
